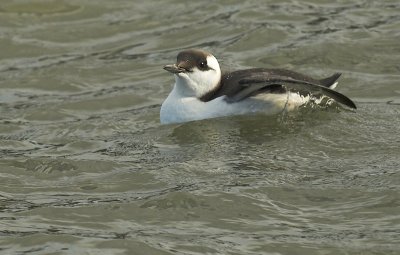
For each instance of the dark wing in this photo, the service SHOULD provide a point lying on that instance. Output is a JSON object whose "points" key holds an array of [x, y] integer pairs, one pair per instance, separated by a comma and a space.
{"points": [[239, 85]]}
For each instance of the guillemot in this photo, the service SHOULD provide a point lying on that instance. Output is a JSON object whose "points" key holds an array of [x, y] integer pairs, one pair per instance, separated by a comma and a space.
{"points": [[202, 91]]}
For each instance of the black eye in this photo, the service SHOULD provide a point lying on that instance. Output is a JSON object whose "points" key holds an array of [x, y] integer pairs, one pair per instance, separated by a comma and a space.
{"points": [[203, 64]]}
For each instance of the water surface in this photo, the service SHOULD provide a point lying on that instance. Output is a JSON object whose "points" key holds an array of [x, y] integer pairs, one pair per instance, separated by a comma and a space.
{"points": [[86, 168]]}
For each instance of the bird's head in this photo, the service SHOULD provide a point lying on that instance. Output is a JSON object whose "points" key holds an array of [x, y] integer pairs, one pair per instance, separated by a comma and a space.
{"points": [[196, 72]]}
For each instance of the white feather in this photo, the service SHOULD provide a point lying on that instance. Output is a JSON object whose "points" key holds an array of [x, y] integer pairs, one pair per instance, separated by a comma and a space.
{"points": [[177, 108]]}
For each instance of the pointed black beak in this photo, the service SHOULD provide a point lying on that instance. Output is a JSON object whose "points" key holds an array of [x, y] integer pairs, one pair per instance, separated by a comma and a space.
{"points": [[174, 69]]}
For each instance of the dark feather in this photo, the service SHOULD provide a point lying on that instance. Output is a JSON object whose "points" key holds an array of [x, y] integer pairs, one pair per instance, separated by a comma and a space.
{"points": [[327, 82], [242, 84]]}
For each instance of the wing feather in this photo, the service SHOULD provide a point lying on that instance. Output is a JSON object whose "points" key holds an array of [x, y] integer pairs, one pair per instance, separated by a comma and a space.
{"points": [[297, 85], [239, 85]]}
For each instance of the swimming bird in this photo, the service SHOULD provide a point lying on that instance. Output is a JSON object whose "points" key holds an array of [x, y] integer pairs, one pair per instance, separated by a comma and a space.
{"points": [[202, 91]]}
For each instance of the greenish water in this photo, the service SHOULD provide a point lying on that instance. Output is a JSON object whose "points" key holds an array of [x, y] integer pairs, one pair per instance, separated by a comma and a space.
{"points": [[86, 168]]}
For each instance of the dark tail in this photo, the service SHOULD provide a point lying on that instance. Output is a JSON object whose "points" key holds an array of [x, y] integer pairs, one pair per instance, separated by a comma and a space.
{"points": [[327, 82]]}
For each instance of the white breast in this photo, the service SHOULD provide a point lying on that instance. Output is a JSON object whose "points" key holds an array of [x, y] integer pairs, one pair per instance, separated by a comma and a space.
{"points": [[177, 108]]}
